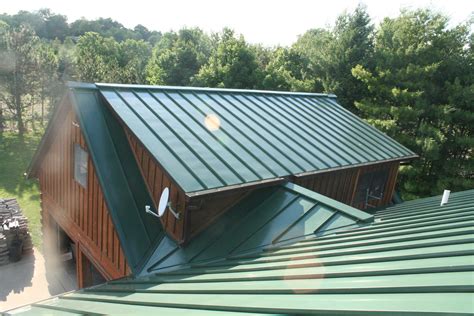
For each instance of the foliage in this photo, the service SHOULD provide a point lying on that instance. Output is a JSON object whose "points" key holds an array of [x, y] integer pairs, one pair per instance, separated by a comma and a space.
{"points": [[232, 64], [48, 25], [44, 23], [19, 71], [49, 85], [103, 59], [133, 58], [288, 70], [333, 53], [177, 57], [421, 93], [97, 58]]}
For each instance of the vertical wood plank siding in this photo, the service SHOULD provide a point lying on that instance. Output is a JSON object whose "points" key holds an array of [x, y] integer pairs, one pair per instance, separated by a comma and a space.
{"points": [[157, 180], [336, 184], [205, 211], [81, 212], [342, 185]]}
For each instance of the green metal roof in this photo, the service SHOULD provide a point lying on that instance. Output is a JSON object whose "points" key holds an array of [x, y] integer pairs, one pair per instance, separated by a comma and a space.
{"points": [[415, 258], [213, 138], [123, 186], [279, 214]]}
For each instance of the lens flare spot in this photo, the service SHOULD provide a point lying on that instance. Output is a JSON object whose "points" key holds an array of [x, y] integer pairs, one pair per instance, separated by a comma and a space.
{"points": [[212, 122], [314, 275]]}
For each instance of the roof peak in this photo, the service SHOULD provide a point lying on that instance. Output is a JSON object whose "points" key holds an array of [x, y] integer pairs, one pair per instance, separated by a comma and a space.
{"points": [[84, 85]]}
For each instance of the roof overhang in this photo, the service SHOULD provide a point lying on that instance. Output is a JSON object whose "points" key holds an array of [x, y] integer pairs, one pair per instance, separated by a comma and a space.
{"points": [[401, 160]]}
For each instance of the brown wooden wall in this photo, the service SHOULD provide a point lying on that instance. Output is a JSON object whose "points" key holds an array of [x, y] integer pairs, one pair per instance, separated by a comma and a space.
{"points": [[338, 185], [342, 185], [205, 210], [81, 212], [157, 180]]}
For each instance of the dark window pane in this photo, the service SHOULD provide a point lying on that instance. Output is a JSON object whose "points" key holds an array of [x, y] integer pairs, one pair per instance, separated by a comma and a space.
{"points": [[371, 186], [80, 165]]}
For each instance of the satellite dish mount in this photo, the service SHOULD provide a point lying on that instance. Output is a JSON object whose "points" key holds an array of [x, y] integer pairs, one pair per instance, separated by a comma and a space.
{"points": [[164, 203]]}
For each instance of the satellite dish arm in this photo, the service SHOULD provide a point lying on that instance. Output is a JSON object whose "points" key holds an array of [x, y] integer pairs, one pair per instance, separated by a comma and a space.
{"points": [[149, 211], [176, 214]]}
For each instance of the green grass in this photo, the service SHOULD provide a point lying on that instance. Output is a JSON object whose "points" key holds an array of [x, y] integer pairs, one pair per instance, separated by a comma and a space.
{"points": [[15, 156]]}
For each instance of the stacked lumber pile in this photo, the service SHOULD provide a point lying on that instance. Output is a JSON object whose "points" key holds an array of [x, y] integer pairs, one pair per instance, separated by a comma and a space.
{"points": [[13, 229]]}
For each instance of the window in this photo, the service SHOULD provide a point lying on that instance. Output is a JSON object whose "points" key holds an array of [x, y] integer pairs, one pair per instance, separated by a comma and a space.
{"points": [[80, 165], [371, 187]]}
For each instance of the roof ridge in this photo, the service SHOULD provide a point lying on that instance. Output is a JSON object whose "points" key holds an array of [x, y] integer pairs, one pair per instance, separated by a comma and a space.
{"points": [[187, 88], [347, 209]]}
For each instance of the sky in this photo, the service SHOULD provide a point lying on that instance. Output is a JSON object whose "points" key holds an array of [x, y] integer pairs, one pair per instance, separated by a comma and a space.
{"points": [[270, 22]]}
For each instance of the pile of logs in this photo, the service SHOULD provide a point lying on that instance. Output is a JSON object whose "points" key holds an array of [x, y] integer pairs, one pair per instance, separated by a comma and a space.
{"points": [[13, 230]]}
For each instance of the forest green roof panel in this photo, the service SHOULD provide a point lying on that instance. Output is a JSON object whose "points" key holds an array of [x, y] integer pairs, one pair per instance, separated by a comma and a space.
{"points": [[416, 258], [123, 186], [214, 138], [268, 216]]}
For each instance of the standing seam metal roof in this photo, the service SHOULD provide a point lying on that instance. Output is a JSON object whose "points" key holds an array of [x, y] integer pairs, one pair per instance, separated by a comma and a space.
{"points": [[250, 136], [417, 258], [267, 216]]}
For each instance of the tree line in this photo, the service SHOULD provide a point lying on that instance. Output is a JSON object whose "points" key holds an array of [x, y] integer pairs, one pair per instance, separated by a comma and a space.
{"points": [[410, 76]]}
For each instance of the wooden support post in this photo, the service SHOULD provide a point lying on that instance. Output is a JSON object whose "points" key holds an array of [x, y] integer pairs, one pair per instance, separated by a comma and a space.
{"points": [[83, 268], [354, 190]]}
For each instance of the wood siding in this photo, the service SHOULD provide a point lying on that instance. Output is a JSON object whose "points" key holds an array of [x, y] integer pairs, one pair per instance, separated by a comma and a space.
{"points": [[342, 185], [338, 185], [204, 211], [81, 212], [156, 181]]}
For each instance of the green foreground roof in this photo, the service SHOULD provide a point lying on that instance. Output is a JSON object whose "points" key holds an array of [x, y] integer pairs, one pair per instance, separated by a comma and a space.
{"points": [[268, 216], [213, 138], [415, 258]]}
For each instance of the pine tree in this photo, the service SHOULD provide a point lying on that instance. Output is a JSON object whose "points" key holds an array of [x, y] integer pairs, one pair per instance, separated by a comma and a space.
{"points": [[421, 93]]}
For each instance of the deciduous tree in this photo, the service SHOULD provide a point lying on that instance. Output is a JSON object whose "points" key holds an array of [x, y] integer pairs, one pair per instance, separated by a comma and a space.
{"points": [[18, 71], [232, 64], [177, 57]]}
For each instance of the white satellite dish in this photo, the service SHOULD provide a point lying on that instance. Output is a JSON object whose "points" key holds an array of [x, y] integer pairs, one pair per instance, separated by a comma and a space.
{"points": [[162, 205], [165, 195]]}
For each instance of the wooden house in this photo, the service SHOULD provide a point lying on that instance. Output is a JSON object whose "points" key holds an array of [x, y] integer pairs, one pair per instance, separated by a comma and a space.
{"points": [[111, 150]]}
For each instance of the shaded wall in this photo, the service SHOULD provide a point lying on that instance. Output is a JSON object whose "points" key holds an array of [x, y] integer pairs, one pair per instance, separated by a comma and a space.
{"points": [[81, 212]]}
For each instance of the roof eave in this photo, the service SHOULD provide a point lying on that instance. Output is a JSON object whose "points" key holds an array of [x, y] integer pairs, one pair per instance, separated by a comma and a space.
{"points": [[401, 160], [234, 188], [274, 181]]}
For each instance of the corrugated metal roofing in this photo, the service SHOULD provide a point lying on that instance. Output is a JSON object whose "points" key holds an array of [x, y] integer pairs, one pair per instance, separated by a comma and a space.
{"points": [[115, 164], [416, 258], [214, 138]]}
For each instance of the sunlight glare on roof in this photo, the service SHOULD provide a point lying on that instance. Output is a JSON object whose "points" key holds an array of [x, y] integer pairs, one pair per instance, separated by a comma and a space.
{"points": [[212, 122]]}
